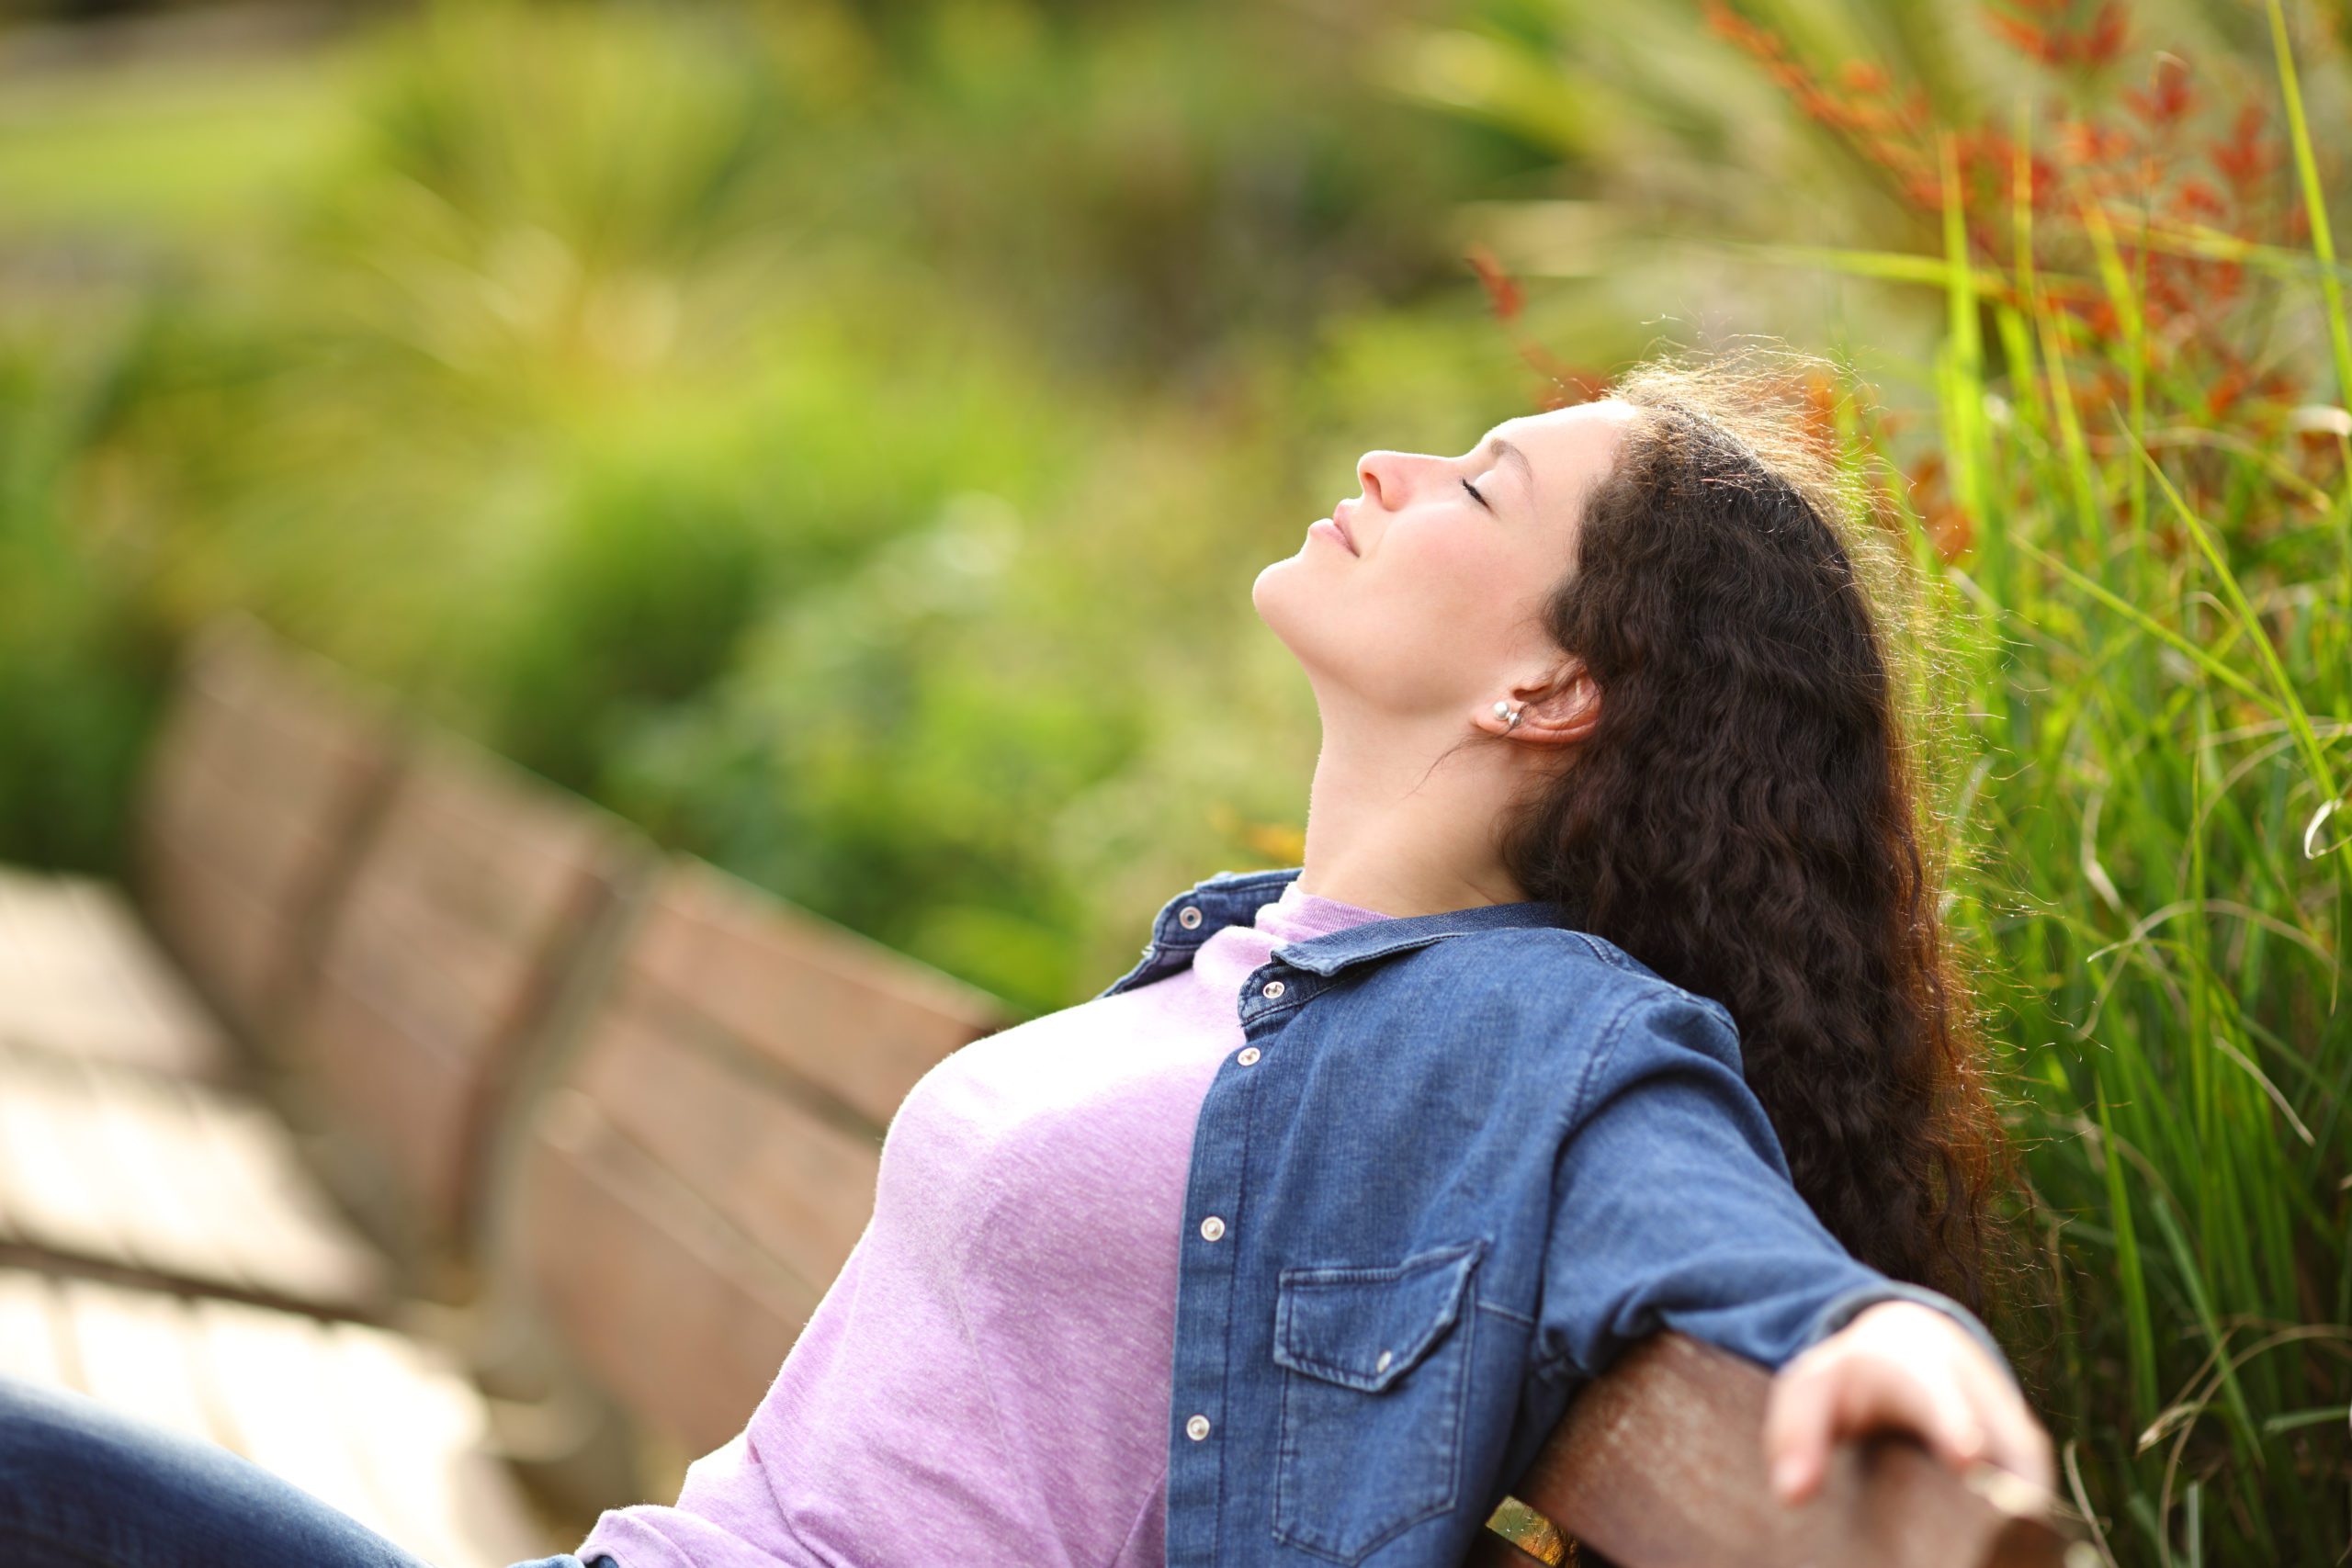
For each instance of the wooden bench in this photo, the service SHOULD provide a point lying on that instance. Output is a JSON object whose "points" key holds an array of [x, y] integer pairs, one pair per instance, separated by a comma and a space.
{"points": [[270, 765], [134, 1145], [122, 1174], [163, 1245], [392, 916], [665, 1126], [1659, 1464], [403, 964], [262, 774], [482, 899], [391, 913], [699, 1170], [79, 975]]}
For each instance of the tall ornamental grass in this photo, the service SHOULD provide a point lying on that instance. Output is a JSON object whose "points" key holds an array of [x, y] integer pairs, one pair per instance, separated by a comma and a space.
{"points": [[2124, 476]]}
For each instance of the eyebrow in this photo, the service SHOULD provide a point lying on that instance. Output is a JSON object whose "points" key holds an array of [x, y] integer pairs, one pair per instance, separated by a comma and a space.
{"points": [[1505, 452]]}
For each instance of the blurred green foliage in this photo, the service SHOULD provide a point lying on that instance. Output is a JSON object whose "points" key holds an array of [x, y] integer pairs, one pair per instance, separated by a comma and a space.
{"points": [[78, 666], [840, 438]]}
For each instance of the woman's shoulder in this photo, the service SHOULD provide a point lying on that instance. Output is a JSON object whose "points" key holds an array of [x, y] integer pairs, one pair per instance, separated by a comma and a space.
{"points": [[1549, 977]]}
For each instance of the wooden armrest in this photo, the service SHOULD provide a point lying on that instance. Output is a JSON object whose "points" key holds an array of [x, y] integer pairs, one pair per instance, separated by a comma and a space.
{"points": [[1659, 1464]]}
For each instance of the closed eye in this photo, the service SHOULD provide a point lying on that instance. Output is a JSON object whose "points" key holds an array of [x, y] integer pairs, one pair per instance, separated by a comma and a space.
{"points": [[1474, 495]]}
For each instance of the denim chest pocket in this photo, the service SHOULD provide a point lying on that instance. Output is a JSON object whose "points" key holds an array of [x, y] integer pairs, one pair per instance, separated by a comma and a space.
{"points": [[1376, 1382]]}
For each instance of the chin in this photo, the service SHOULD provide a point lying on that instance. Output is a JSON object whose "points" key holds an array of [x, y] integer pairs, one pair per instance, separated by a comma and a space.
{"points": [[1276, 594], [1288, 602], [1267, 584]]}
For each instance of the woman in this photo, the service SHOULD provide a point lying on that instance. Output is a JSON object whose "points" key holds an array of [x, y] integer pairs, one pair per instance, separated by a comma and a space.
{"points": [[1292, 1245]]}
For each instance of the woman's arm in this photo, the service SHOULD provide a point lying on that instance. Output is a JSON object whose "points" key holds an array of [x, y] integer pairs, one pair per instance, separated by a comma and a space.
{"points": [[1674, 1209]]}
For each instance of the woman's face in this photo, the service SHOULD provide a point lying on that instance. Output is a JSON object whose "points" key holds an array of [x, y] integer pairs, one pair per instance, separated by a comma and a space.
{"points": [[1432, 604]]}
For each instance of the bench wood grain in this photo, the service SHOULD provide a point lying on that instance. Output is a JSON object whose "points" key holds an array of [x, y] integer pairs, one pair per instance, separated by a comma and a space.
{"points": [[371, 1422], [479, 893], [80, 976], [131, 1173], [1659, 1464], [268, 767]]}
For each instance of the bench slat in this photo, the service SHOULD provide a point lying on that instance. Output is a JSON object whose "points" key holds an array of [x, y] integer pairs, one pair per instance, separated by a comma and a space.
{"points": [[31, 1345], [670, 1307], [231, 941], [79, 975], [798, 1185], [272, 1369], [478, 891], [267, 766], [373, 1423], [165, 1193], [421, 1437], [167, 1177], [1677, 1421], [308, 1251], [832, 1007], [134, 1352], [45, 1198]]}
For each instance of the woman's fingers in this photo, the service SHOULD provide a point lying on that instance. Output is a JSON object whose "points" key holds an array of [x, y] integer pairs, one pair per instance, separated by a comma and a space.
{"points": [[1964, 1414], [2017, 1441], [1907, 1367], [1798, 1420], [1934, 1405]]}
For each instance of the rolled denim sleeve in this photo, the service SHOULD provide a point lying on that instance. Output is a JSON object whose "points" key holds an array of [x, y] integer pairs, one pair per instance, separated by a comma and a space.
{"points": [[1674, 1209]]}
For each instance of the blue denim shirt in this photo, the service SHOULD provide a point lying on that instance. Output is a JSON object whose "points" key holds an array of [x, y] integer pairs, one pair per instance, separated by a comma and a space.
{"points": [[1460, 1161]]}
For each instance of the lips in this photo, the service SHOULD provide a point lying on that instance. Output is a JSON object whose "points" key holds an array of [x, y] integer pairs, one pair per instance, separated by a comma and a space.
{"points": [[1341, 524]]}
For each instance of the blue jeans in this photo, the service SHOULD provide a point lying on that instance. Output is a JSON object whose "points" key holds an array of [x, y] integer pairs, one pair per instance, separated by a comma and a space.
{"points": [[82, 1485]]}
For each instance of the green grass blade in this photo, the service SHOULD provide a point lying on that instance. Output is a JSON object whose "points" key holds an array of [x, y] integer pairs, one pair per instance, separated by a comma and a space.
{"points": [[2331, 286], [2153, 627]]}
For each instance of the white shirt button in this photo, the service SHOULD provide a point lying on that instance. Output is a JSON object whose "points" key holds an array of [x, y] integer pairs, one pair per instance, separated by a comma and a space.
{"points": [[1271, 989], [1249, 1057], [1198, 1428], [1212, 1228], [1188, 917], [1381, 1364]]}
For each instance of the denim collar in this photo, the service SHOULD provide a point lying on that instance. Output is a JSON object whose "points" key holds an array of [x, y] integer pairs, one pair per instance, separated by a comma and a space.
{"points": [[1233, 898]]}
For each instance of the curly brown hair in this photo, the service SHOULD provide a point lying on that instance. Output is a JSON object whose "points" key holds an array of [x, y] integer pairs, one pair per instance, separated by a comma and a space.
{"points": [[1743, 819]]}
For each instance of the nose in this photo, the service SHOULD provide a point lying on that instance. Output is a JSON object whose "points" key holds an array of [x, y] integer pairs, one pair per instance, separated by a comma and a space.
{"points": [[1382, 475]]}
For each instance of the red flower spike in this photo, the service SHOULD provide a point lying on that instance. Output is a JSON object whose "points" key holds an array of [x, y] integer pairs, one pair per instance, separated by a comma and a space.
{"points": [[2105, 39], [2167, 99], [2025, 37], [1502, 290], [2149, 146]]}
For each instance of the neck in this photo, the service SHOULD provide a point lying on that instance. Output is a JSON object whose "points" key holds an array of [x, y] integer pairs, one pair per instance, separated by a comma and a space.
{"points": [[1407, 828]]}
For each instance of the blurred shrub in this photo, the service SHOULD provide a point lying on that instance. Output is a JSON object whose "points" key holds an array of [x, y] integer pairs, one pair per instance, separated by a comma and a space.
{"points": [[840, 437], [76, 666]]}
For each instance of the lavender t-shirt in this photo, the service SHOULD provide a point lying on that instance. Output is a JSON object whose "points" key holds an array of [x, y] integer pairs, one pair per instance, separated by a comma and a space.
{"points": [[987, 1380]]}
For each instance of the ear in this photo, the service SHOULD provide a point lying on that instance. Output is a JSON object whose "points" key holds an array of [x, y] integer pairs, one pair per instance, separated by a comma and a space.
{"points": [[1560, 711]]}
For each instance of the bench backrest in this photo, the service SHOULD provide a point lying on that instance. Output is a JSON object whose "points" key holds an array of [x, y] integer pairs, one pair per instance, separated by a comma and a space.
{"points": [[473, 904], [264, 773], [689, 1191], [1660, 1464]]}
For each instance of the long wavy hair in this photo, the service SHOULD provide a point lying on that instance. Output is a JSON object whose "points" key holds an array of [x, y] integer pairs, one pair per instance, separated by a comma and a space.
{"points": [[1744, 816]]}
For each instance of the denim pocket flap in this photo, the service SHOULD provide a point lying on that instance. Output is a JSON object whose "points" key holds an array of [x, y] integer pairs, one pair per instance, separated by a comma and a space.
{"points": [[1363, 1329]]}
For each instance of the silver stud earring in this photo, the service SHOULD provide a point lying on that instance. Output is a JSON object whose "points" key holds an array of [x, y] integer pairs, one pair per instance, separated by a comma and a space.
{"points": [[1509, 715]]}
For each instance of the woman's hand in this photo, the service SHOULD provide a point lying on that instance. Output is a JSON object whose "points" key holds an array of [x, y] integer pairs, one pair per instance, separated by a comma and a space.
{"points": [[1908, 1366]]}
